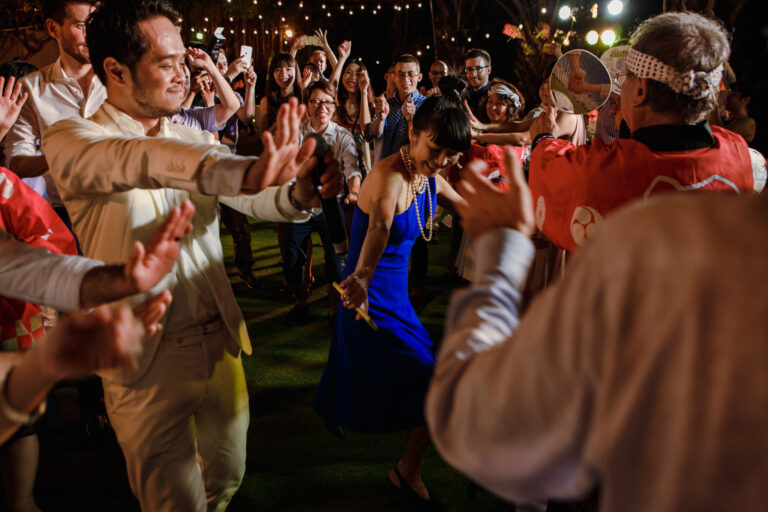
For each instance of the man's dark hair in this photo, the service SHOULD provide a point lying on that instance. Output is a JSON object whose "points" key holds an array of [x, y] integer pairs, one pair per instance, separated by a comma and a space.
{"points": [[406, 58], [16, 69], [446, 120], [113, 31], [57, 9], [474, 53]]}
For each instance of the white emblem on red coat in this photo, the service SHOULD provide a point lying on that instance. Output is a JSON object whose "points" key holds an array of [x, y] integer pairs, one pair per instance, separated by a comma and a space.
{"points": [[541, 212], [583, 223], [6, 186]]}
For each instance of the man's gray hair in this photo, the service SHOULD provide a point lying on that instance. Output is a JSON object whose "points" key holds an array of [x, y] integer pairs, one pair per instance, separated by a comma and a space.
{"points": [[687, 42]]}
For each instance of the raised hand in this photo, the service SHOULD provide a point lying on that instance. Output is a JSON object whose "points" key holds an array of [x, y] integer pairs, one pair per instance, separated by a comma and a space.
{"points": [[148, 265], [282, 157], [321, 35], [250, 77], [297, 45], [484, 207], [545, 123], [11, 100], [381, 107], [237, 66], [200, 59], [363, 82], [409, 108], [345, 49]]}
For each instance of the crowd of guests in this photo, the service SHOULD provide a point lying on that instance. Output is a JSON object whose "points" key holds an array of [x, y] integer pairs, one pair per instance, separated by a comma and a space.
{"points": [[638, 371]]}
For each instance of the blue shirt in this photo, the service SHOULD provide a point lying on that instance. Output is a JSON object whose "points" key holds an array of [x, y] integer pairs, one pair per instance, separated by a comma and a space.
{"points": [[395, 127]]}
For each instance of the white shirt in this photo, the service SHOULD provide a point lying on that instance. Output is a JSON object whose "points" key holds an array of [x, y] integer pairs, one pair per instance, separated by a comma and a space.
{"points": [[112, 181], [53, 96], [342, 145], [39, 276]]}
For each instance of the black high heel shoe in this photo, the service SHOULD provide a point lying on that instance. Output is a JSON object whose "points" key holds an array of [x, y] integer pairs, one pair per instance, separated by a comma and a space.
{"points": [[412, 497]]}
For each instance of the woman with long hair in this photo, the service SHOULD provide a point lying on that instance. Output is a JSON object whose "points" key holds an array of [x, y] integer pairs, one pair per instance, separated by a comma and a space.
{"points": [[281, 86]]}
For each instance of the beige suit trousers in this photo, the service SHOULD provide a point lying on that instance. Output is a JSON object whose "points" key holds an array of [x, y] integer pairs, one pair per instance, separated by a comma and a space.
{"points": [[182, 427]]}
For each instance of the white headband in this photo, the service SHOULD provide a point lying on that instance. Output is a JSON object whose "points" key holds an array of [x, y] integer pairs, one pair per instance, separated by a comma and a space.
{"points": [[691, 83], [503, 90]]}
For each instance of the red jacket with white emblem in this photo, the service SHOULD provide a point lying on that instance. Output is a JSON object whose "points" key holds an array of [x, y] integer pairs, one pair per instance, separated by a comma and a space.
{"points": [[575, 187]]}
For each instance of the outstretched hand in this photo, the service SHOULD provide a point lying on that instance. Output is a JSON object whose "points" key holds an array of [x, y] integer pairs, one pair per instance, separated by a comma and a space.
{"points": [[82, 343], [148, 265], [484, 207], [152, 310], [282, 157], [11, 100]]}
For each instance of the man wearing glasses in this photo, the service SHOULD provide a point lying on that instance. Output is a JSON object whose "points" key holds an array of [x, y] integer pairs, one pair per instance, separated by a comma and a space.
{"points": [[477, 66], [402, 106]]}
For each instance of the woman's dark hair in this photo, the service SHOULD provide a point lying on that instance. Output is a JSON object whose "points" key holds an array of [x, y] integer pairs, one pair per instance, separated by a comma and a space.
{"points": [[113, 31], [16, 69], [273, 89], [343, 95], [447, 120], [454, 87]]}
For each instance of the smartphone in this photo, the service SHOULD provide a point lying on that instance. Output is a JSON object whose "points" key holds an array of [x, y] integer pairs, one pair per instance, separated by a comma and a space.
{"points": [[247, 52], [311, 41]]}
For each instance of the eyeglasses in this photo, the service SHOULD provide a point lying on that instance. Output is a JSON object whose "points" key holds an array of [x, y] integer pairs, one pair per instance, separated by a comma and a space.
{"points": [[411, 75], [322, 103], [472, 70]]}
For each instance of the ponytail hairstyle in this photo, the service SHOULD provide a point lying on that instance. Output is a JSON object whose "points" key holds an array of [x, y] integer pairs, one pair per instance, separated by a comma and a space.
{"points": [[444, 116]]}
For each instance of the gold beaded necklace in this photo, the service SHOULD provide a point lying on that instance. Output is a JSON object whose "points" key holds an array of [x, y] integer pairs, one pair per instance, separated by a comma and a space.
{"points": [[418, 183]]}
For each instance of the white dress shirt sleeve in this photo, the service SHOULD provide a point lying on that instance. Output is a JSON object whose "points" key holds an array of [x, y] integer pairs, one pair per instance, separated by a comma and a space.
{"points": [[85, 160], [21, 138], [39, 276], [508, 403], [348, 155], [270, 204]]}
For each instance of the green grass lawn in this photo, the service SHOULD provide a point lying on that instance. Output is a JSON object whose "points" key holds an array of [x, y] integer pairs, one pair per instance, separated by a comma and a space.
{"points": [[293, 463]]}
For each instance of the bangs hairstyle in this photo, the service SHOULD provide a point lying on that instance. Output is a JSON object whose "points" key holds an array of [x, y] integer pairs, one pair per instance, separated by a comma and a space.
{"points": [[273, 89], [319, 85], [113, 31], [446, 120]]}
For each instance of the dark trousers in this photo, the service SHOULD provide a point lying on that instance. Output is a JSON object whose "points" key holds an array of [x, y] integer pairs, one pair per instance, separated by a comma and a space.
{"points": [[237, 226], [296, 235]]}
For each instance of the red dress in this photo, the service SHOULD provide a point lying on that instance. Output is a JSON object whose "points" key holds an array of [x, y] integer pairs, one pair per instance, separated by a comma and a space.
{"points": [[30, 219], [574, 187]]}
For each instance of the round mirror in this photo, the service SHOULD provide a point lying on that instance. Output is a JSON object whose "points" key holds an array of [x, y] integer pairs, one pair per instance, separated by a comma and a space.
{"points": [[579, 82], [615, 60]]}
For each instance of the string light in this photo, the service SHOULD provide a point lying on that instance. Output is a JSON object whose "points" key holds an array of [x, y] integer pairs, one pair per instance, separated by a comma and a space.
{"points": [[592, 37], [543, 10], [564, 13], [608, 37], [487, 35], [615, 7]]}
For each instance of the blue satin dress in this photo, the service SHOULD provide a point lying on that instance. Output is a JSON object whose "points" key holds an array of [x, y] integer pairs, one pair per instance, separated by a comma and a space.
{"points": [[376, 381]]}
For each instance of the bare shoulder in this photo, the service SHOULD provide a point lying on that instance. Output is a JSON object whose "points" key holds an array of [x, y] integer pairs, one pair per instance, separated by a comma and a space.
{"points": [[385, 181]]}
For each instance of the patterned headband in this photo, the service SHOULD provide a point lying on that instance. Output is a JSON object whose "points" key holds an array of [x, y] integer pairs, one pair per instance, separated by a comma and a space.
{"points": [[691, 83], [503, 90]]}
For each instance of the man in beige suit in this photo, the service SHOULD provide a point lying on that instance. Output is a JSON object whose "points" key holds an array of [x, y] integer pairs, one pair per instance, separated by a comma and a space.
{"points": [[182, 419]]}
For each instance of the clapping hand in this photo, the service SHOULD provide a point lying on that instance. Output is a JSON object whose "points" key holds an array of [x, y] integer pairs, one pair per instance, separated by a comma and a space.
{"points": [[484, 207], [409, 108], [381, 107], [11, 100]]}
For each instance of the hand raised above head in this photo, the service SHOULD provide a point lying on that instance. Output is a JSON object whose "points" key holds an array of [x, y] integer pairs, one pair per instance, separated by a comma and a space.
{"points": [[11, 100], [484, 207]]}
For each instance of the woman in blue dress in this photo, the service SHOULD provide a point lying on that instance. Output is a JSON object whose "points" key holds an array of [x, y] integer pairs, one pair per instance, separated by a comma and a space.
{"points": [[376, 381]]}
